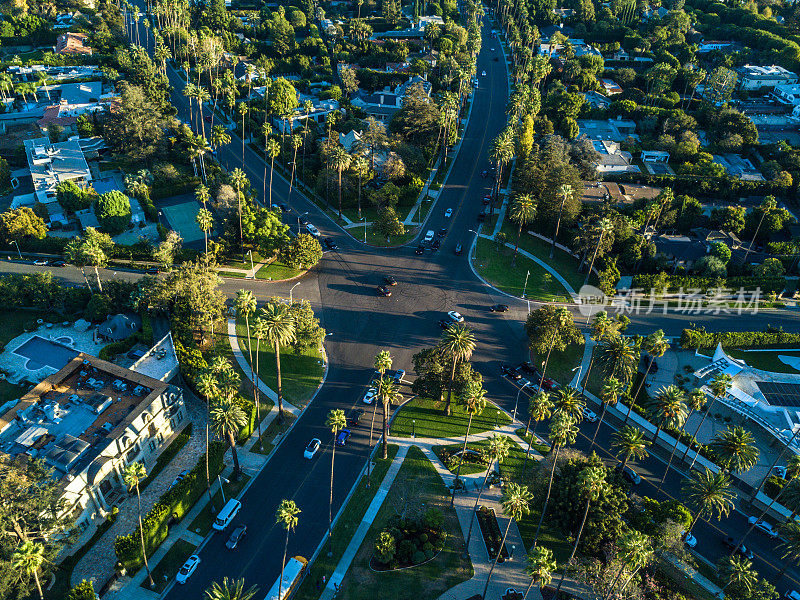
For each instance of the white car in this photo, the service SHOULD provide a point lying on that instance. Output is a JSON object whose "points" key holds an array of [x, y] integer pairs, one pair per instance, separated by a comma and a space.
{"points": [[763, 526], [448, 213], [483, 73], [369, 397], [456, 317], [312, 448], [589, 415], [312, 230], [689, 540], [40, 262], [187, 569]]}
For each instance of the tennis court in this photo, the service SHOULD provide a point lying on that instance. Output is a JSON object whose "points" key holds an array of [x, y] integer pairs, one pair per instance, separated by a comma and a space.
{"points": [[181, 215]]}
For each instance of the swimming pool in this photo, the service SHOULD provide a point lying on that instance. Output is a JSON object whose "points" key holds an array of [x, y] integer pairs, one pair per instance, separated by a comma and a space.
{"points": [[41, 352]]}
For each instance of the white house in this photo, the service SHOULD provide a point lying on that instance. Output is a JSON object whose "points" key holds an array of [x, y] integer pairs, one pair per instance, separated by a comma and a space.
{"points": [[612, 159], [655, 156], [50, 164], [753, 77]]}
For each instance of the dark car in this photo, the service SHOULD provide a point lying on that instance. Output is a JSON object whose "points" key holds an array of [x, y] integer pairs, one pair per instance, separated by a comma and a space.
{"points": [[443, 232], [487, 200], [390, 280], [445, 323], [436, 245], [420, 249], [628, 475], [481, 217], [730, 542], [152, 270], [549, 384], [355, 417], [344, 435], [383, 291], [495, 59], [330, 244], [510, 372], [458, 249], [207, 118], [499, 308], [283, 206], [528, 368], [56, 263], [303, 221], [236, 537]]}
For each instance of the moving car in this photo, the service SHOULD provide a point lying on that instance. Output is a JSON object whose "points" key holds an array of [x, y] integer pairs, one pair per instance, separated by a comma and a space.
{"points": [[355, 417], [487, 200], [390, 280], [312, 448], [152, 271], [344, 435], [330, 244], [499, 308], [742, 550], [629, 475], [420, 249], [178, 479], [691, 541], [448, 213], [589, 415], [40, 262], [510, 372], [283, 206], [445, 323], [765, 527], [791, 595], [443, 232], [384, 291], [458, 249], [57, 263], [312, 230], [189, 567], [428, 237], [455, 316], [370, 395], [483, 73], [236, 537]]}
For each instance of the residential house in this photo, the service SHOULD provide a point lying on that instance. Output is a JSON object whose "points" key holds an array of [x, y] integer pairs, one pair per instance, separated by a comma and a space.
{"points": [[613, 130], [712, 45], [610, 87], [596, 99], [384, 104], [579, 47], [753, 77], [51, 163], [655, 156], [679, 250], [655, 13], [72, 43], [789, 95], [612, 159], [416, 31], [320, 109], [739, 167], [75, 99], [350, 139]]}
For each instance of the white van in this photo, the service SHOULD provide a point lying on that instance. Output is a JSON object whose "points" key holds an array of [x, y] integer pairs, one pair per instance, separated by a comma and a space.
{"points": [[226, 515], [428, 237]]}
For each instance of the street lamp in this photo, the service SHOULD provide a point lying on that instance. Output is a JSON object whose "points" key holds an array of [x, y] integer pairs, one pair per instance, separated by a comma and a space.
{"points": [[475, 244], [298, 221], [17, 245], [413, 428], [579, 368], [252, 268], [365, 229], [291, 301], [526, 384], [220, 479]]}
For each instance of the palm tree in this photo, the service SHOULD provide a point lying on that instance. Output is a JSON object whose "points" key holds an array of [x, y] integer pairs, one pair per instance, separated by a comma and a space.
{"points": [[474, 401], [561, 317], [243, 109], [339, 160], [767, 206], [563, 431], [601, 329], [523, 211], [286, 515], [501, 153], [792, 467], [609, 394], [132, 475], [227, 418], [202, 194], [539, 408], [790, 544], [516, 504], [260, 333], [630, 442], [336, 421], [618, 357], [295, 141], [569, 402], [230, 589], [497, 451], [272, 149], [564, 192], [219, 137], [735, 449], [383, 362], [388, 394], [540, 566], [360, 167], [669, 409], [28, 558], [459, 342], [709, 494], [719, 387], [208, 386], [238, 178], [279, 330], [205, 221], [738, 570], [603, 226], [246, 305], [635, 551], [656, 345]]}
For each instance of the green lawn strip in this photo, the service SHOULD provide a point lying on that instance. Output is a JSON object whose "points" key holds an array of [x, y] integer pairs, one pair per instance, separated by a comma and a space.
{"points": [[345, 527], [377, 239], [565, 264], [428, 580], [169, 565], [277, 271], [766, 361], [245, 263], [9, 391], [468, 467], [425, 418], [683, 582], [269, 434], [231, 274], [202, 522], [539, 447], [560, 365], [13, 323], [300, 373], [509, 275], [366, 211]]}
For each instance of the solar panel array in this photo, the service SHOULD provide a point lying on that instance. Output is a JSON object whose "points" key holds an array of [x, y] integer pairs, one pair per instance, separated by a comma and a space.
{"points": [[780, 394]]}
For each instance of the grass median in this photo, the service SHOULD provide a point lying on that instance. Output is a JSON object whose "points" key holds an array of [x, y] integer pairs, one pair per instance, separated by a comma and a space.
{"points": [[425, 418]]}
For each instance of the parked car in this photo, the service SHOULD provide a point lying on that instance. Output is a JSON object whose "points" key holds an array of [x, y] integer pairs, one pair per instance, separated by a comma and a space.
{"points": [[690, 540], [510, 372], [499, 308], [178, 479], [369, 397], [455, 316], [588, 414], [457, 250], [629, 475], [312, 448], [312, 230], [487, 200], [355, 417], [236, 537], [152, 271], [744, 551], [390, 280], [779, 471], [384, 291], [549, 384], [189, 567], [436, 244], [483, 73], [344, 435], [442, 232], [528, 368], [57, 263], [791, 595], [330, 244], [40, 262], [765, 527], [448, 213], [283, 206], [420, 249]]}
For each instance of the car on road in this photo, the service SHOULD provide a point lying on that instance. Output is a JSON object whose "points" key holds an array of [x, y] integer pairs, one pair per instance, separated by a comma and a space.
{"points": [[398, 375], [436, 244], [302, 221], [483, 73], [629, 475], [765, 527], [456, 317], [40, 262], [474, 82], [312, 448], [354, 419], [689, 540], [528, 368], [496, 59], [312, 230], [384, 291], [445, 323], [510, 372], [419, 250], [458, 249], [236, 537], [152, 271], [492, 49], [729, 542], [330, 244], [189, 567], [390, 280], [369, 397], [499, 308], [178, 479], [283, 206], [344, 435], [588, 414], [57, 263], [487, 200], [791, 595], [549, 384], [448, 213], [779, 471], [442, 232]]}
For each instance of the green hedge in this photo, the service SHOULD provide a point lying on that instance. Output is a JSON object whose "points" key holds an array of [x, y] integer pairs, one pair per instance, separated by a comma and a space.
{"points": [[700, 338], [689, 282], [178, 501]]}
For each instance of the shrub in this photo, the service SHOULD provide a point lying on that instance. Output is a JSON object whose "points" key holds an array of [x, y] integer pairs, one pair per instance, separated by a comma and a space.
{"points": [[700, 338], [113, 210], [659, 281], [418, 557], [385, 547], [83, 591]]}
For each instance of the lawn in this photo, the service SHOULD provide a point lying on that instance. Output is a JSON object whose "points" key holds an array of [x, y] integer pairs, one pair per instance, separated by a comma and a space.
{"points": [[503, 272], [278, 271], [9, 391], [376, 239], [470, 466], [425, 418], [268, 435], [202, 522], [300, 373], [561, 364], [431, 579], [12, 323], [766, 361], [168, 567], [345, 528]]}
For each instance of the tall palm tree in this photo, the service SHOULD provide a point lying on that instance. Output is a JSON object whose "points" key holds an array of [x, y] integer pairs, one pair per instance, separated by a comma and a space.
{"points": [[246, 305], [205, 221], [609, 395], [592, 484], [28, 558], [336, 421], [239, 179], [383, 362], [360, 167], [497, 451], [563, 431], [339, 160], [790, 545], [523, 211], [564, 192], [618, 357], [791, 468], [719, 387], [709, 494], [656, 345], [539, 408], [474, 401], [735, 449], [629, 442], [459, 342], [202, 194], [260, 333], [561, 317], [230, 589], [603, 227], [501, 153], [286, 515], [667, 409], [132, 475], [219, 137], [601, 329], [272, 148], [516, 504], [635, 551], [389, 394], [279, 329], [227, 418], [738, 570], [539, 567], [569, 402], [207, 385], [295, 141]]}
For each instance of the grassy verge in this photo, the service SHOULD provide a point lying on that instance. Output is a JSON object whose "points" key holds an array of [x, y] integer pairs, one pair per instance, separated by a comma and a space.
{"points": [[168, 567], [345, 528], [561, 364], [270, 433], [9, 391], [300, 373], [429, 580], [766, 361], [376, 239], [277, 271], [425, 418], [202, 522], [539, 447], [517, 276], [683, 581]]}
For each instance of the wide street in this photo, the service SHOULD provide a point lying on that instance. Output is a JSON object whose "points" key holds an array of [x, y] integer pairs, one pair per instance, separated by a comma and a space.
{"points": [[359, 324]]}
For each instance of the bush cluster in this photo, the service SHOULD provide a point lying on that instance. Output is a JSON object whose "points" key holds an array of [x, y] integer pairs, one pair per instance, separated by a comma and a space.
{"points": [[700, 338], [410, 541], [659, 281]]}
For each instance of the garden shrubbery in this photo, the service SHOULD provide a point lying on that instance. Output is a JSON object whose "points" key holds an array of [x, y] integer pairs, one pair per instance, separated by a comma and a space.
{"points": [[406, 542], [700, 338]]}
